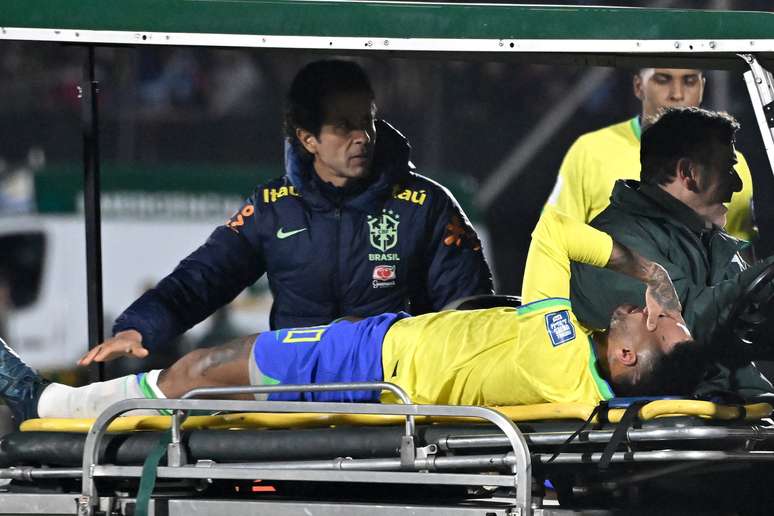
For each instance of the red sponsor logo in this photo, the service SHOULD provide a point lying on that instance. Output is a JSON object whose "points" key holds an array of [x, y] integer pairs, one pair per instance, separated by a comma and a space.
{"points": [[384, 272]]}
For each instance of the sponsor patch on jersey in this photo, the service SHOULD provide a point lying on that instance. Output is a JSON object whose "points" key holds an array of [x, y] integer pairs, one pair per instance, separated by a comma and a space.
{"points": [[384, 276], [413, 196], [560, 327], [384, 272], [460, 234], [271, 195], [238, 220]]}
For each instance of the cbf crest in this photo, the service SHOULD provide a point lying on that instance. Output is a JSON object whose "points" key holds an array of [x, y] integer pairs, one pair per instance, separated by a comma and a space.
{"points": [[383, 230]]}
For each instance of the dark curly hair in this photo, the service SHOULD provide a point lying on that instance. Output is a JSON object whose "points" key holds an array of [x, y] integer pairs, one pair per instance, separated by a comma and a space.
{"points": [[676, 373]]}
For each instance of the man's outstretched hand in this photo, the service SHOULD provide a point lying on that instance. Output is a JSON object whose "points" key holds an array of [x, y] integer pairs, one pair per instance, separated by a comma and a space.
{"points": [[127, 343]]}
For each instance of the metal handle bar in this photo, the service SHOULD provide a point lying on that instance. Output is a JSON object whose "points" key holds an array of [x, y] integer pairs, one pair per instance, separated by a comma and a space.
{"points": [[179, 416]]}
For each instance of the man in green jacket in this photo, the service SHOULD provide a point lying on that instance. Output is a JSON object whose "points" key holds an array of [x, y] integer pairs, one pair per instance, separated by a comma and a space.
{"points": [[675, 216]]}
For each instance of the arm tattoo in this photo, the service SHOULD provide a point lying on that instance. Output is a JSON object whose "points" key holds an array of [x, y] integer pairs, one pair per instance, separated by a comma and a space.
{"points": [[628, 262]]}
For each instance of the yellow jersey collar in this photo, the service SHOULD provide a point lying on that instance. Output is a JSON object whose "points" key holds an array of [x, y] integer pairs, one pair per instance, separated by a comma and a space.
{"points": [[542, 304], [634, 123], [602, 386]]}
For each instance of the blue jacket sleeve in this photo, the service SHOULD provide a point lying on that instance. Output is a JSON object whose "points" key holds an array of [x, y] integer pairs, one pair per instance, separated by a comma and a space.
{"points": [[214, 274], [456, 264]]}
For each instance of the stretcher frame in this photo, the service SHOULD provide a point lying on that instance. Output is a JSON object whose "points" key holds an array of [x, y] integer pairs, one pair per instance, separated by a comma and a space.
{"points": [[411, 457], [415, 464], [592, 36]]}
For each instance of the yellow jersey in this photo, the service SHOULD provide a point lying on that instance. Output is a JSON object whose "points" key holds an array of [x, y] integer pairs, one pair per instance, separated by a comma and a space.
{"points": [[536, 353], [598, 159]]}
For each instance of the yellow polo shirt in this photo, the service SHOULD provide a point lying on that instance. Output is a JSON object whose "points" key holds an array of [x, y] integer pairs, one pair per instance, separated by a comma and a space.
{"points": [[598, 159], [504, 356]]}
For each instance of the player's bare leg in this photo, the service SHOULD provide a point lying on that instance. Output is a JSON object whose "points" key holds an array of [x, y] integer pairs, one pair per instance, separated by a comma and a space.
{"points": [[29, 396], [221, 366]]}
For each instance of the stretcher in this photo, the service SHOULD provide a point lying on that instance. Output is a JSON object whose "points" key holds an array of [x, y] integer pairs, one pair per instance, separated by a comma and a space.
{"points": [[259, 457]]}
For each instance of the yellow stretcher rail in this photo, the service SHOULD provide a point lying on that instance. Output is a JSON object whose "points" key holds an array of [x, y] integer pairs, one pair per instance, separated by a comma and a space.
{"points": [[522, 413]]}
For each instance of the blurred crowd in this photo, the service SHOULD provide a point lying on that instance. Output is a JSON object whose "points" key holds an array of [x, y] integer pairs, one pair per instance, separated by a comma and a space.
{"points": [[224, 106]]}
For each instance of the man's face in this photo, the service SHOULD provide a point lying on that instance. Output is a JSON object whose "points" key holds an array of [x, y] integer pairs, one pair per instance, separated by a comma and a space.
{"points": [[343, 150], [659, 88], [715, 182], [628, 324]]}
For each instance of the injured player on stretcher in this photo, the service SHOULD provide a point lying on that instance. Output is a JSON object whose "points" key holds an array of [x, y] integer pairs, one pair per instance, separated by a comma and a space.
{"points": [[501, 356]]}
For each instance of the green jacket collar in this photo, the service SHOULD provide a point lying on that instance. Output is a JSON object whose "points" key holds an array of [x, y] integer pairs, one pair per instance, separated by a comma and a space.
{"points": [[677, 209], [653, 202]]}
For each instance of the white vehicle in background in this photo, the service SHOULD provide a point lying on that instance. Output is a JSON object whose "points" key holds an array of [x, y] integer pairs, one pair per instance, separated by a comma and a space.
{"points": [[43, 278]]}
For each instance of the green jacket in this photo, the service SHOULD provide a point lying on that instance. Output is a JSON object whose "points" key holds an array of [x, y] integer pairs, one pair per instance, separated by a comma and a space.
{"points": [[703, 261]]}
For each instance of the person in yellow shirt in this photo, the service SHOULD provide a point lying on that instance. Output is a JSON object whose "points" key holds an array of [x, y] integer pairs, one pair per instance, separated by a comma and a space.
{"points": [[598, 159], [501, 356]]}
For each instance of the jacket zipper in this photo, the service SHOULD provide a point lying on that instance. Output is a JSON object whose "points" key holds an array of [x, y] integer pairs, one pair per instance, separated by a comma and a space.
{"points": [[335, 287]]}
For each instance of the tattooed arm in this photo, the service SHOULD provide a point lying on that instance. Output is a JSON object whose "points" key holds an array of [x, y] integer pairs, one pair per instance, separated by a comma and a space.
{"points": [[660, 295]]}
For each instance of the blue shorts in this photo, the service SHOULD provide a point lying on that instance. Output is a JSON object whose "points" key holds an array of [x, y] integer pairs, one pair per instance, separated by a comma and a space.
{"points": [[342, 351]]}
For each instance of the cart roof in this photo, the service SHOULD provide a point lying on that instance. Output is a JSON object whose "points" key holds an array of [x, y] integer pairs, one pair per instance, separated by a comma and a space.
{"points": [[587, 35]]}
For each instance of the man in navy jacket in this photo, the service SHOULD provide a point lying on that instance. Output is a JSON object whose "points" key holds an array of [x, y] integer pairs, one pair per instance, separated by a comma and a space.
{"points": [[349, 230]]}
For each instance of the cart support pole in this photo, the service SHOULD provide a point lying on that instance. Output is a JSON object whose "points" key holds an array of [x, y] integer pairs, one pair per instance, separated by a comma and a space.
{"points": [[89, 94], [760, 86]]}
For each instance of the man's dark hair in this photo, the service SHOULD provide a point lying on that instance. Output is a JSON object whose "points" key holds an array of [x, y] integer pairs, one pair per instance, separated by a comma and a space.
{"points": [[313, 83], [676, 373], [683, 132]]}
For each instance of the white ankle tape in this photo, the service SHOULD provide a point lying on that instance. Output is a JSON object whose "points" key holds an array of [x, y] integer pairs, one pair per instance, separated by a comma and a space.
{"points": [[89, 401], [151, 379]]}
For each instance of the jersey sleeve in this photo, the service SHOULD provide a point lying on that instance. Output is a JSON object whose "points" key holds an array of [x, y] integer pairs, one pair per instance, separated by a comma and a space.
{"points": [[456, 266], [568, 195], [740, 219], [557, 240], [211, 276]]}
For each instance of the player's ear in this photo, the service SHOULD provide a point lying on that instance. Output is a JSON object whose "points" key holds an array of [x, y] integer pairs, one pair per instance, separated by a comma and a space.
{"points": [[637, 85], [307, 139], [626, 355]]}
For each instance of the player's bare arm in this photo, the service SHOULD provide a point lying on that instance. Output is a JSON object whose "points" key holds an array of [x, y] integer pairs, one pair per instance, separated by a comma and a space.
{"points": [[660, 296]]}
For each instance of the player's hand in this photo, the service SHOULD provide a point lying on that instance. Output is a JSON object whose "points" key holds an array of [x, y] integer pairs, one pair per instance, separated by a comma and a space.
{"points": [[661, 298], [127, 343]]}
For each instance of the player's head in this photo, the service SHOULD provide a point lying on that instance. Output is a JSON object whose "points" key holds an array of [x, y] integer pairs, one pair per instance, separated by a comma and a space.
{"points": [[651, 362], [329, 118], [659, 88], [690, 151]]}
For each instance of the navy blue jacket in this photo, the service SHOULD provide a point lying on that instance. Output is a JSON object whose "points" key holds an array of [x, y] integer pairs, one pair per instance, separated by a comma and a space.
{"points": [[395, 241]]}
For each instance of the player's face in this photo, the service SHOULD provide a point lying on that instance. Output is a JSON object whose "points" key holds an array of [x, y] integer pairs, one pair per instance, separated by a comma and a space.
{"points": [[343, 150], [716, 181], [628, 324], [659, 88]]}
